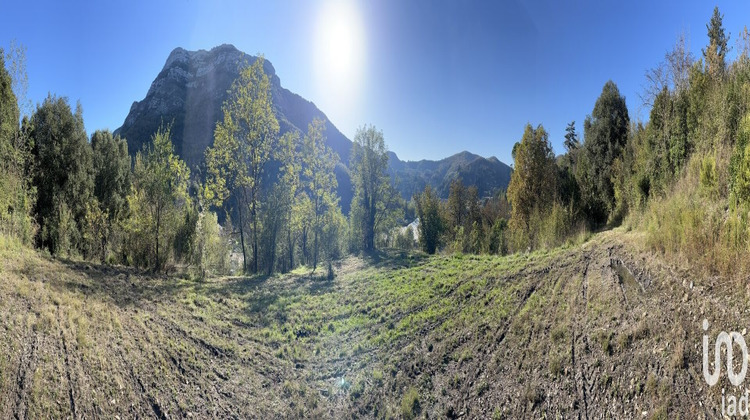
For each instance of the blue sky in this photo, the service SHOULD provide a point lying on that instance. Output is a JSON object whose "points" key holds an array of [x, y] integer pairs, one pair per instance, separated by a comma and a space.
{"points": [[437, 77]]}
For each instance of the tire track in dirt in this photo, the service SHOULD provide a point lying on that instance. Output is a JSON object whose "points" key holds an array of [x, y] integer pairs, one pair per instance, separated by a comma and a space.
{"points": [[25, 370], [136, 381], [66, 359], [220, 395], [586, 258]]}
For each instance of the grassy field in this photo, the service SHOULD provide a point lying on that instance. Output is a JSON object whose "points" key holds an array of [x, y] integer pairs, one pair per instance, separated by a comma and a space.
{"points": [[601, 328]]}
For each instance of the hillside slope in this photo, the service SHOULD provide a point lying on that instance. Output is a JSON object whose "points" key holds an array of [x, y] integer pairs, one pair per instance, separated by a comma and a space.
{"points": [[570, 333]]}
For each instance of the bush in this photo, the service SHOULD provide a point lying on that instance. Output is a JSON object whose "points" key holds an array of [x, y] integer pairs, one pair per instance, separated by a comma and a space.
{"points": [[16, 206], [431, 224], [497, 243], [211, 249], [708, 179], [60, 231]]}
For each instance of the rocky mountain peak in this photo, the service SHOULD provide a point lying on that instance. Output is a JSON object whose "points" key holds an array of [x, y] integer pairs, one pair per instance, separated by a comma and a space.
{"points": [[189, 91]]}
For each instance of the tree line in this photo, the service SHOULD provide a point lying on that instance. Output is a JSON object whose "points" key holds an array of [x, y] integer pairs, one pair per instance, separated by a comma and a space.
{"points": [[683, 176], [86, 199]]}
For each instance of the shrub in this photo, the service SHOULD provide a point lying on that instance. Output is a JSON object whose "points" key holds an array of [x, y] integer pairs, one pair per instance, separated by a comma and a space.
{"points": [[211, 250], [708, 175]]}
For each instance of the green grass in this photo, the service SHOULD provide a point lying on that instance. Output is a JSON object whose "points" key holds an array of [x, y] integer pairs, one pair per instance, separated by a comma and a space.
{"points": [[402, 335]]}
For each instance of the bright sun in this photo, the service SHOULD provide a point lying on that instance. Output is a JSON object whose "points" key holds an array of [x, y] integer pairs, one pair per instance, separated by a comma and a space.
{"points": [[339, 53]]}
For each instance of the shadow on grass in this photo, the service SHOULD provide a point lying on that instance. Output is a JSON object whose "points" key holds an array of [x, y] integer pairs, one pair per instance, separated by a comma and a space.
{"points": [[265, 298], [123, 286], [394, 259], [128, 286]]}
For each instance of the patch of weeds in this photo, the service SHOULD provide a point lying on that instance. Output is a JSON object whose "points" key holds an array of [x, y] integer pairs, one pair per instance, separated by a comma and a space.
{"points": [[377, 377], [605, 340], [357, 390], [665, 388], [482, 388], [465, 356], [289, 388], [456, 380], [410, 407], [555, 365], [533, 395], [641, 331], [679, 357], [638, 332], [558, 334], [659, 414], [651, 384], [358, 349], [81, 332], [624, 341], [45, 321]]}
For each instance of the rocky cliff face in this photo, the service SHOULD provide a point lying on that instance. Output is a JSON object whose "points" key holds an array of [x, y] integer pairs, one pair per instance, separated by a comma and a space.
{"points": [[188, 94]]}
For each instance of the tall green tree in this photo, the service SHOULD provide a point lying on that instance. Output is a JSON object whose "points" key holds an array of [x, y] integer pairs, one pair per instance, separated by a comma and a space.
{"points": [[431, 223], [16, 191], [605, 136], [9, 112], [375, 201], [290, 177], [111, 187], [64, 173], [716, 51], [319, 179], [566, 182], [111, 173], [273, 218], [457, 204], [243, 141], [158, 197], [571, 137], [532, 183]]}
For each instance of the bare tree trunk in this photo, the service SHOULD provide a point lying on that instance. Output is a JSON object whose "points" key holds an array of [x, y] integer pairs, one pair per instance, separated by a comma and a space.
{"points": [[254, 215], [370, 228], [242, 235], [304, 246], [315, 251], [158, 223], [291, 248]]}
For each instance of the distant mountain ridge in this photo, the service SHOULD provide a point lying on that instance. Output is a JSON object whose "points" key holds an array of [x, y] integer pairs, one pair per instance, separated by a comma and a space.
{"points": [[192, 86], [489, 175]]}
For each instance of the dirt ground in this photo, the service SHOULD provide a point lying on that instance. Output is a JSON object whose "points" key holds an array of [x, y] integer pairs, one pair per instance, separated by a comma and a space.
{"points": [[605, 329]]}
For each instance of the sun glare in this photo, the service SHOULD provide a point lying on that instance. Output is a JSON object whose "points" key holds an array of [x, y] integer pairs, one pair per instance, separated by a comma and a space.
{"points": [[339, 53]]}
